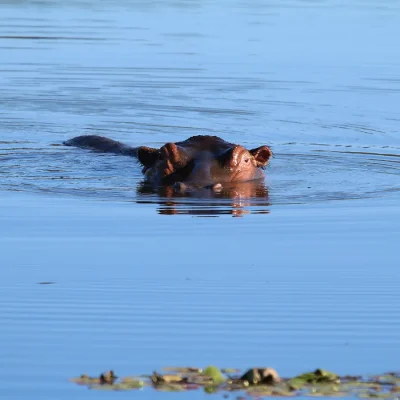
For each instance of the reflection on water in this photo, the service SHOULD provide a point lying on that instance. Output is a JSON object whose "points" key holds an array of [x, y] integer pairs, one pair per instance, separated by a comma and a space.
{"points": [[237, 199]]}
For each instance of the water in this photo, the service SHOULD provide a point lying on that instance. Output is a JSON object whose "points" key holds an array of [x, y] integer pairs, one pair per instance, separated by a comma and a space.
{"points": [[306, 278]]}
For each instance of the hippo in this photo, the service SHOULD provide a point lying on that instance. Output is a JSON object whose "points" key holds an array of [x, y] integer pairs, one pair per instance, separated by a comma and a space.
{"points": [[199, 161]]}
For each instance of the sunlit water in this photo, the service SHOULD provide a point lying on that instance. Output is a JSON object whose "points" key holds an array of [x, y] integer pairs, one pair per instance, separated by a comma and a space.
{"points": [[307, 278]]}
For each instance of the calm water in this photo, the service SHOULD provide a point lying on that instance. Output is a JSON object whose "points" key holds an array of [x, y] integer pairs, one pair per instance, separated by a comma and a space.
{"points": [[307, 278]]}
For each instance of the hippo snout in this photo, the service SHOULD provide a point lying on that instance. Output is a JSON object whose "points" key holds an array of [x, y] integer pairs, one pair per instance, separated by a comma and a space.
{"points": [[231, 159]]}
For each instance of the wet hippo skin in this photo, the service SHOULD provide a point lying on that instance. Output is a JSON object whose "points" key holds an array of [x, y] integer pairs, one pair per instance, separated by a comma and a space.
{"points": [[200, 161]]}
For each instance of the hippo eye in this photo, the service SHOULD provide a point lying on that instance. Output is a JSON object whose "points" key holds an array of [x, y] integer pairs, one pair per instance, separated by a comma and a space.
{"points": [[246, 160]]}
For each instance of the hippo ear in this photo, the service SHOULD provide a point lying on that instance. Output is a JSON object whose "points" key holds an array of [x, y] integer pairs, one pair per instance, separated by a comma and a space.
{"points": [[262, 155], [147, 156]]}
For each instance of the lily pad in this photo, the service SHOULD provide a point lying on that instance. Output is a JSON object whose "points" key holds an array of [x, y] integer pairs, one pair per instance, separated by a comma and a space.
{"points": [[161, 379], [184, 370], [132, 383], [214, 373], [318, 376], [85, 380], [170, 388], [230, 370], [104, 379], [268, 390], [376, 395]]}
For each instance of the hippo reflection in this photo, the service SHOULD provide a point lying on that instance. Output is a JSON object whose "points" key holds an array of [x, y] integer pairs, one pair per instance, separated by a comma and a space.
{"points": [[236, 199], [200, 161]]}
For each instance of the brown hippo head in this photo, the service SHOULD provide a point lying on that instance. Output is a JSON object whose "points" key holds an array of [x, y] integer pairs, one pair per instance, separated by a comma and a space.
{"points": [[203, 161], [199, 161]]}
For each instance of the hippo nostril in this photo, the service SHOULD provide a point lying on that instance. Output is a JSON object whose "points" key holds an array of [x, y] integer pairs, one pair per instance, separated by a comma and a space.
{"points": [[217, 187]]}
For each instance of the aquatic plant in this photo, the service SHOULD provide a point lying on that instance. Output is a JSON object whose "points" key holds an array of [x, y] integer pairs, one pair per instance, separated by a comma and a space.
{"points": [[255, 382]]}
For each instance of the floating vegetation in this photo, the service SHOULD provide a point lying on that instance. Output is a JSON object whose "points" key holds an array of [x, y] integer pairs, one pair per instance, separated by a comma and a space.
{"points": [[214, 374], [319, 376], [255, 382]]}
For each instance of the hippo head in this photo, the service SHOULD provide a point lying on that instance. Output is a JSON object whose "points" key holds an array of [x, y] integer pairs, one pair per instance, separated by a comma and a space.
{"points": [[203, 161]]}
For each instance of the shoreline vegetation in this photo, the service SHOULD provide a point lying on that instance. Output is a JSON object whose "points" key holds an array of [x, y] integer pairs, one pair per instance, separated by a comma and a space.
{"points": [[255, 382]]}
